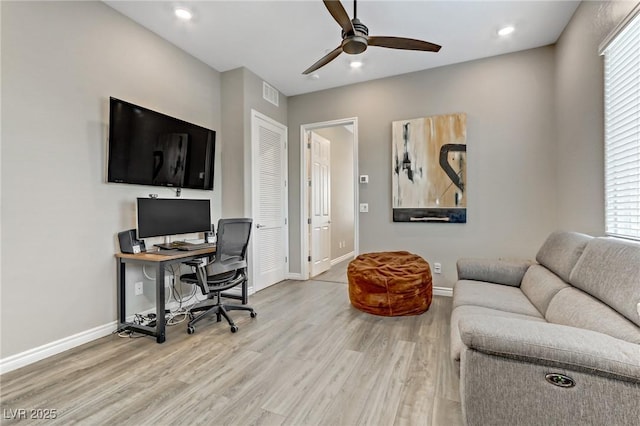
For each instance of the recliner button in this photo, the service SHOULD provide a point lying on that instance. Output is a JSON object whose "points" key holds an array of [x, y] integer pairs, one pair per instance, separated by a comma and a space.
{"points": [[560, 380]]}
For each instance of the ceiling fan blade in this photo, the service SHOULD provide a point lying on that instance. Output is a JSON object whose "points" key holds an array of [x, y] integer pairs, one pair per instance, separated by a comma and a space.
{"points": [[325, 60], [336, 10], [403, 43]]}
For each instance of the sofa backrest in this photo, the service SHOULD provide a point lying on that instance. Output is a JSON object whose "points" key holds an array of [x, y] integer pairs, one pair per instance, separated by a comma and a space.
{"points": [[561, 251], [609, 270], [575, 308], [540, 285]]}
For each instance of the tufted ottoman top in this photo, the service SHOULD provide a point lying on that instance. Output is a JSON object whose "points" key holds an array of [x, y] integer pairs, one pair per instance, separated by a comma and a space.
{"points": [[391, 283]]}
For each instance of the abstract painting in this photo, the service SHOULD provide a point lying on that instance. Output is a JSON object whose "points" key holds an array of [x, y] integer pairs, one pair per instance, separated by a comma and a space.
{"points": [[429, 162]]}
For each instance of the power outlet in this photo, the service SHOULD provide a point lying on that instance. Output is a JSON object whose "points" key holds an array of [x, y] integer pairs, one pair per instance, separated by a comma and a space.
{"points": [[437, 268], [139, 288]]}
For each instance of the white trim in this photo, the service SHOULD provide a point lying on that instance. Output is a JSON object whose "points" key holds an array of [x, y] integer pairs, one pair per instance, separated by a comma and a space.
{"points": [[304, 202], [30, 356], [294, 276], [443, 291], [342, 258], [618, 29]]}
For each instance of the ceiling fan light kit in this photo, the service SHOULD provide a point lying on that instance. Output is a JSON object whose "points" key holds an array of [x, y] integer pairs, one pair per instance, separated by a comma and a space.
{"points": [[356, 39]]}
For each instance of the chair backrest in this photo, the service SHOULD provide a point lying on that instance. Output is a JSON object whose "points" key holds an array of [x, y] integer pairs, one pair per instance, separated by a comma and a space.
{"points": [[231, 245]]}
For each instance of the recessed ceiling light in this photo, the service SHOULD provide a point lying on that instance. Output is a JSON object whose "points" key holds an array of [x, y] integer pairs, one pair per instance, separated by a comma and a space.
{"points": [[355, 64], [183, 13], [505, 31]]}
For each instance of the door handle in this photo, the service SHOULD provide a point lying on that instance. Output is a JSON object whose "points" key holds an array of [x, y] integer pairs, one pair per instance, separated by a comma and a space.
{"points": [[259, 226]]}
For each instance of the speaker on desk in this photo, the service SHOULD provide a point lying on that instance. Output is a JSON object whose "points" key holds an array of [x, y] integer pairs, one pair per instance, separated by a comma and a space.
{"points": [[129, 243]]}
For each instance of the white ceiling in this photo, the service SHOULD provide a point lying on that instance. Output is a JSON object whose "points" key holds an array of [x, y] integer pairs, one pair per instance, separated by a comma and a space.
{"points": [[278, 40]]}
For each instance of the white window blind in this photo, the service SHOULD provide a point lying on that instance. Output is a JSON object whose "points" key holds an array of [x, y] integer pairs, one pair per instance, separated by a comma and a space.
{"points": [[622, 132]]}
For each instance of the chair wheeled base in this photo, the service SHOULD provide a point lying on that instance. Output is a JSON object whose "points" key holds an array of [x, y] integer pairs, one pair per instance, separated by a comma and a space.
{"points": [[220, 310]]}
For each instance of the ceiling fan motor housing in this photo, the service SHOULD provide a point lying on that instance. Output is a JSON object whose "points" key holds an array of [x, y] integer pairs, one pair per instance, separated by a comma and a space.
{"points": [[354, 43]]}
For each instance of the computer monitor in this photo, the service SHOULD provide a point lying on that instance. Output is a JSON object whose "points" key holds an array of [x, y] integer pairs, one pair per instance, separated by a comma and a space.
{"points": [[172, 216]]}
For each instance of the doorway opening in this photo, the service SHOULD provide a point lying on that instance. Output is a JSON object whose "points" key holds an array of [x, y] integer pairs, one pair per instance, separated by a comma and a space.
{"points": [[329, 194]]}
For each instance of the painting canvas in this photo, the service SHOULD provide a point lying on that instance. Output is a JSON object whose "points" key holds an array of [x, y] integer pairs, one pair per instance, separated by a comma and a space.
{"points": [[429, 162]]}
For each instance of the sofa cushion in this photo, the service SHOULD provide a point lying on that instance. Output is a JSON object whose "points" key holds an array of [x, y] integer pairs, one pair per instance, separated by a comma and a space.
{"points": [[540, 285], [494, 296], [561, 251], [499, 271], [467, 310], [578, 309], [609, 269]]}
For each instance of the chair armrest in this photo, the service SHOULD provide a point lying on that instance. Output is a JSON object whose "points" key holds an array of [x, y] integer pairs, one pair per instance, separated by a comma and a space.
{"points": [[499, 271], [552, 345]]}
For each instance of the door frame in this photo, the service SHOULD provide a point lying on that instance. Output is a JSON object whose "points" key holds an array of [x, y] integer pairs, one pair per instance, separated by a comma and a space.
{"points": [[253, 197], [304, 177]]}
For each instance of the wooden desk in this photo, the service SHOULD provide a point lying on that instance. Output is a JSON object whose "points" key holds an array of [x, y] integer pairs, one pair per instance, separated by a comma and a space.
{"points": [[159, 262]]}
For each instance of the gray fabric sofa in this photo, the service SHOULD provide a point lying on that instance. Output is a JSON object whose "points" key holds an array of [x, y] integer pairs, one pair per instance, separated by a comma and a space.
{"points": [[551, 342]]}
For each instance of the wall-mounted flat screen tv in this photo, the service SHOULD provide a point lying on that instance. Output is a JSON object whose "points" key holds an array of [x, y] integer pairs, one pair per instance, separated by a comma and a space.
{"points": [[150, 148]]}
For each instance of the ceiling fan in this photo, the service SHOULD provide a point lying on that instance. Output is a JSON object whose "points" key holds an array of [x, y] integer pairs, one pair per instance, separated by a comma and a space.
{"points": [[356, 38]]}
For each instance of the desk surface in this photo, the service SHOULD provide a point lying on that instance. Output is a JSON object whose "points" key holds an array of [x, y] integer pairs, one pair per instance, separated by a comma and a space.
{"points": [[151, 256]]}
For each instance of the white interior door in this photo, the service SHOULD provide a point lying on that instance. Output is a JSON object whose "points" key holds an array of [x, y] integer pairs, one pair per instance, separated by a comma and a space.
{"points": [[269, 201], [320, 208]]}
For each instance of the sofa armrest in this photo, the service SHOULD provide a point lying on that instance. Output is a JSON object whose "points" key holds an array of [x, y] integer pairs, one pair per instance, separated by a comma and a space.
{"points": [[552, 345], [499, 271]]}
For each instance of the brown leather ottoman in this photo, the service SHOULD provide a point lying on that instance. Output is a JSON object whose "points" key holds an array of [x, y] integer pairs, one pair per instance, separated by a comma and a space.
{"points": [[392, 283]]}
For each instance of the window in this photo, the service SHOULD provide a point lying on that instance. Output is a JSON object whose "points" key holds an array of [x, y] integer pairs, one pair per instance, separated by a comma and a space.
{"points": [[622, 130]]}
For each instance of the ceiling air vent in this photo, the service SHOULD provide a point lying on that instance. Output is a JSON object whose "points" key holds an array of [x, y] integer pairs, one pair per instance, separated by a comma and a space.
{"points": [[269, 93]]}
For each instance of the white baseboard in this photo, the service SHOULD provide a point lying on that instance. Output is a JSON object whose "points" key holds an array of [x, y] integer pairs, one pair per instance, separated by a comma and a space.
{"points": [[297, 276], [16, 361], [342, 258], [443, 291]]}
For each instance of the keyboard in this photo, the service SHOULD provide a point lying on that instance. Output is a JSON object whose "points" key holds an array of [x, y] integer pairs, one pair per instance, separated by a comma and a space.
{"points": [[184, 245], [195, 246]]}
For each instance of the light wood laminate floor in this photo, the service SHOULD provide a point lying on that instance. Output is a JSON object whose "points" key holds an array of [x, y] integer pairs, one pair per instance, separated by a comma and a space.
{"points": [[308, 358]]}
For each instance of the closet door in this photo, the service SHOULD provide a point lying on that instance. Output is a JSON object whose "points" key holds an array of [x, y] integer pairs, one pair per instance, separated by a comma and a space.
{"points": [[269, 201]]}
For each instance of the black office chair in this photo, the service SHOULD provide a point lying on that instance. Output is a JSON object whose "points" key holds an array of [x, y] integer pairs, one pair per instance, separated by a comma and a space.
{"points": [[228, 269]]}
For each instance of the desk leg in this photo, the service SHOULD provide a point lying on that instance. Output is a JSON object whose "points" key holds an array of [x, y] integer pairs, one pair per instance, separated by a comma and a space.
{"points": [[160, 324], [122, 305]]}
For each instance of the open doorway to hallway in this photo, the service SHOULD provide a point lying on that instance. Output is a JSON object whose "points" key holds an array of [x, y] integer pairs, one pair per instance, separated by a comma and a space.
{"points": [[330, 183]]}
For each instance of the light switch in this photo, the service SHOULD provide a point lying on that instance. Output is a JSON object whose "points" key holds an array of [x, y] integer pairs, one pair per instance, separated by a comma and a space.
{"points": [[364, 207]]}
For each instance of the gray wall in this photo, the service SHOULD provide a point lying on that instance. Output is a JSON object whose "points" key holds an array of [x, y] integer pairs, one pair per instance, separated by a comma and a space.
{"points": [[510, 106], [580, 115], [59, 217], [242, 92], [233, 152]]}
